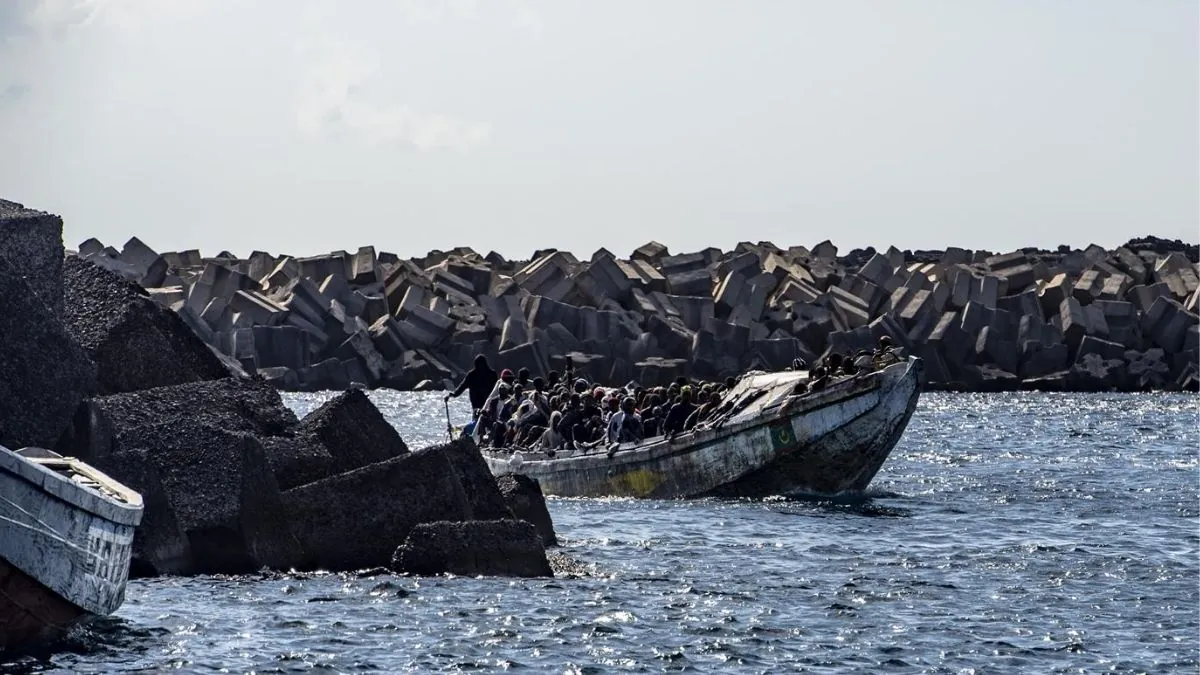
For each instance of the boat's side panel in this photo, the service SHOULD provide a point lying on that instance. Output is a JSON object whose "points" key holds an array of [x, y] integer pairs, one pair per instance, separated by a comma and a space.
{"points": [[78, 555], [30, 613], [844, 459]]}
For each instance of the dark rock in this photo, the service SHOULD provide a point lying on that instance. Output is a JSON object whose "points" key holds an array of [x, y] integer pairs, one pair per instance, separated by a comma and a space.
{"points": [[1092, 373], [135, 343], [524, 498], [225, 515], [353, 520], [31, 242], [353, 430], [489, 548], [232, 404], [44, 373]]}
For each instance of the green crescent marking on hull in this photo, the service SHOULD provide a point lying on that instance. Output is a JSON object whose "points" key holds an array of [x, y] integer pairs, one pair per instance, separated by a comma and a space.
{"points": [[782, 437]]}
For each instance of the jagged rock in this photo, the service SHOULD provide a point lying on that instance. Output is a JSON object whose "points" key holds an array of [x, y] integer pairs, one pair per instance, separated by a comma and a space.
{"points": [[44, 373], [353, 430], [524, 498], [487, 548], [233, 405], [212, 504], [31, 242], [1093, 372], [134, 343], [353, 520]]}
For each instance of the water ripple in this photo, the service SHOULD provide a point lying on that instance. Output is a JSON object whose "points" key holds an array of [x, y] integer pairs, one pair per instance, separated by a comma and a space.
{"points": [[1008, 533]]}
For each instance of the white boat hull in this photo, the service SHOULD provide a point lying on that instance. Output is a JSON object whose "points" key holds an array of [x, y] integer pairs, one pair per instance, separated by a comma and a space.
{"points": [[826, 442], [62, 544]]}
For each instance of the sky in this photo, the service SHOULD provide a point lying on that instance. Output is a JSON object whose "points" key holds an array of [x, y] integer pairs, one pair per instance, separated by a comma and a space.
{"points": [[307, 126]]}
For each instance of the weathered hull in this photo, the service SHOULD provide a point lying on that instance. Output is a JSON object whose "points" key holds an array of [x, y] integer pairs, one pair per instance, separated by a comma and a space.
{"points": [[65, 548], [30, 613], [828, 442]]}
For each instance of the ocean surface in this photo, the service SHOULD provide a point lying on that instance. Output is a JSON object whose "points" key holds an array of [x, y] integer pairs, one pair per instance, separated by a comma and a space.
{"points": [[1014, 533]]}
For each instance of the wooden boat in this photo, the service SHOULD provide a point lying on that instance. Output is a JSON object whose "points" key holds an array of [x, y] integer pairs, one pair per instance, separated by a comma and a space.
{"points": [[773, 442], [66, 536]]}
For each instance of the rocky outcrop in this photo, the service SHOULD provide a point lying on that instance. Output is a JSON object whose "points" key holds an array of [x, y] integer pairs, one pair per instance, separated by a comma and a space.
{"points": [[353, 430], [524, 498], [44, 373], [135, 343], [477, 548], [981, 320], [213, 503], [231, 481], [31, 242], [355, 519]]}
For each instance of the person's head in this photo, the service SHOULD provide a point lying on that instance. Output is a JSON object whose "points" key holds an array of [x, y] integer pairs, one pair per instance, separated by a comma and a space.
{"points": [[552, 379], [656, 411], [681, 381], [523, 375], [611, 403], [835, 360], [714, 399], [539, 384], [506, 376], [598, 393], [885, 342], [628, 404], [481, 361], [589, 399], [581, 385], [685, 396], [730, 382], [573, 401], [518, 391], [555, 418]]}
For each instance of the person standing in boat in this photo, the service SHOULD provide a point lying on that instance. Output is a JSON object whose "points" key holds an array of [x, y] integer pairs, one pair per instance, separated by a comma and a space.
{"points": [[479, 383]]}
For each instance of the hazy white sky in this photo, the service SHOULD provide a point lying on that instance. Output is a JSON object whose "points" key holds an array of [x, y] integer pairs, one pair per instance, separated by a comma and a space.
{"points": [[305, 126]]}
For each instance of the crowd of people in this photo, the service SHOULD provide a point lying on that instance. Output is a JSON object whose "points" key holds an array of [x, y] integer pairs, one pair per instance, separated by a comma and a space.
{"points": [[564, 411]]}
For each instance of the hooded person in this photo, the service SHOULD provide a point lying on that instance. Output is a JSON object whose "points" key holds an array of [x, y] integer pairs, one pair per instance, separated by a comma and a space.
{"points": [[551, 439], [478, 382]]}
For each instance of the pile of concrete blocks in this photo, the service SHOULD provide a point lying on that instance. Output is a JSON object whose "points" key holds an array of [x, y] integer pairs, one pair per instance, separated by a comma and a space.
{"points": [[147, 384], [1025, 319]]}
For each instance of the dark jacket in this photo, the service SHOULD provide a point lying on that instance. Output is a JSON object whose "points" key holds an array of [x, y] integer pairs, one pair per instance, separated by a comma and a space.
{"points": [[480, 380], [677, 417]]}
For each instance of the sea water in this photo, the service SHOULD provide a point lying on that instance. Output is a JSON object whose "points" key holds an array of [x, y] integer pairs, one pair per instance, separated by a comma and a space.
{"points": [[1007, 533]]}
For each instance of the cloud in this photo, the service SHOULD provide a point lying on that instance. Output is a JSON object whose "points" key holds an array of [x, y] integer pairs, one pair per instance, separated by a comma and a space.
{"points": [[335, 92]]}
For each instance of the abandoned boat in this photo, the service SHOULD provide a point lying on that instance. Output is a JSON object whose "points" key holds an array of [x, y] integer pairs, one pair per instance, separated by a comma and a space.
{"points": [[773, 441], [66, 537]]}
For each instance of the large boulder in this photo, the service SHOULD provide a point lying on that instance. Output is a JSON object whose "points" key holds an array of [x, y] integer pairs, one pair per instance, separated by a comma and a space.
{"points": [[353, 430], [212, 504], [135, 343], [232, 404], [524, 498], [345, 433], [31, 242], [354, 520], [44, 373], [488, 548]]}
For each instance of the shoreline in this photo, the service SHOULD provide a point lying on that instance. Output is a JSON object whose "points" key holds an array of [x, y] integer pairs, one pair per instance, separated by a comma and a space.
{"points": [[1028, 320]]}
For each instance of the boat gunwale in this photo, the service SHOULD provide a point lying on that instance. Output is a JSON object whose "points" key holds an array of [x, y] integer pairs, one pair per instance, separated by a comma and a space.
{"points": [[41, 475]]}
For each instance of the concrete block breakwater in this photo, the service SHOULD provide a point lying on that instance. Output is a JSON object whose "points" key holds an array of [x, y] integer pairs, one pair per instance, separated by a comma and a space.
{"points": [[1068, 319]]}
